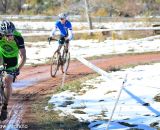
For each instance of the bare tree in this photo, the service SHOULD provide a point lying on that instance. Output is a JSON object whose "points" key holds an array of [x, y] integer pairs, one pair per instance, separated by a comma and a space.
{"points": [[88, 15], [19, 6], [4, 5]]}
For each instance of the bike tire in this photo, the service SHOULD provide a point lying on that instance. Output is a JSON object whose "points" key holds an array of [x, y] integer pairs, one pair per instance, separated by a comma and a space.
{"points": [[66, 63], [54, 65], [2, 96]]}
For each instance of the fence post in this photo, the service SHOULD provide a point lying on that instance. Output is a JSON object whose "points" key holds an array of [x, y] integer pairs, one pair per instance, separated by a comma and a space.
{"points": [[119, 94]]}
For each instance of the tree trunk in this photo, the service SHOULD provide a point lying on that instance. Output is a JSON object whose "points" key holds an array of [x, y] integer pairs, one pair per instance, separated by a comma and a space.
{"points": [[4, 5], [88, 16]]}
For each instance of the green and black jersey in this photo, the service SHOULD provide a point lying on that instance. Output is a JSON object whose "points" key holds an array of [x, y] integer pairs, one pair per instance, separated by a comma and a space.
{"points": [[9, 50]]}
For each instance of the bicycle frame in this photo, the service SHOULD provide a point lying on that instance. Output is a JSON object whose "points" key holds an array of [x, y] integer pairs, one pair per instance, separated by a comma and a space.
{"points": [[60, 58], [62, 52]]}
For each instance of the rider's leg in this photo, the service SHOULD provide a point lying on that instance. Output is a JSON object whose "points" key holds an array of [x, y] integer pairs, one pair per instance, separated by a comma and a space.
{"points": [[8, 88], [60, 43], [11, 64], [67, 45], [8, 79], [1, 61], [66, 51], [58, 49]]}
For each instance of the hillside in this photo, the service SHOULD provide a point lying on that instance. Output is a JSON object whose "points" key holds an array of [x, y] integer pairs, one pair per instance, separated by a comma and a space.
{"points": [[125, 8]]}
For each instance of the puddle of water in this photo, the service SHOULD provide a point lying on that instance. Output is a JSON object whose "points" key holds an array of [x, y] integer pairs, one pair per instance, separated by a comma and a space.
{"points": [[21, 84]]}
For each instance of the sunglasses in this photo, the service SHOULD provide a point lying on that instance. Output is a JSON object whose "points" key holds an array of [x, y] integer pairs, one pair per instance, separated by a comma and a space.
{"points": [[62, 19], [9, 35]]}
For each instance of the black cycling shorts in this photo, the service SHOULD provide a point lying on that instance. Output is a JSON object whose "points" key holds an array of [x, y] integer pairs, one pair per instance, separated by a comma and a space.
{"points": [[62, 40], [10, 62]]}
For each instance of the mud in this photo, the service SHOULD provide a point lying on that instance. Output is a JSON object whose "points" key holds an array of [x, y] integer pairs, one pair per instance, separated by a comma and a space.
{"points": [[44, 84]]}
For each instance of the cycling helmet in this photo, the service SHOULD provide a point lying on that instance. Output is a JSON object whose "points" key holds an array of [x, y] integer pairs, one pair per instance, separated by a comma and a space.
{"points": [[7, 27], [62, 16], [1, 32]]}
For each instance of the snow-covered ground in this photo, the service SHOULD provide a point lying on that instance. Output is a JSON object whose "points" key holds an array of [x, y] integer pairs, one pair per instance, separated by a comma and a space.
{"points": [[40, 52], [79, 25], [48, 25], [136, 106]]}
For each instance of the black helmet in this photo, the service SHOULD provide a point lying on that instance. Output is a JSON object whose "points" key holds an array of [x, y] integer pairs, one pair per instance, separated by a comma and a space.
{"points": [[7, 27]]}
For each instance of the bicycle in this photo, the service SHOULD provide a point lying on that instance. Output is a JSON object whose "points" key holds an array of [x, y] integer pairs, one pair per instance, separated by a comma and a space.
{"points": [[61, 58], [3, 71]]}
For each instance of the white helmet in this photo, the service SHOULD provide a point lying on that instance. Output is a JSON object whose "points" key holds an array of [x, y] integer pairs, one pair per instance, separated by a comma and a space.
{"points": [[62, 16], [7, 27]]}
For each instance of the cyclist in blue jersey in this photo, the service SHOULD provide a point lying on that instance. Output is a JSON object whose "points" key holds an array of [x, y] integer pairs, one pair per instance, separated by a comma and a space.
{"points": [[65, 28]]}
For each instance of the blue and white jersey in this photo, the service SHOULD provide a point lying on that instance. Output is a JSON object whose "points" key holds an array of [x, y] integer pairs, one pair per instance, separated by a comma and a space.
{"points": [[65, 29]]}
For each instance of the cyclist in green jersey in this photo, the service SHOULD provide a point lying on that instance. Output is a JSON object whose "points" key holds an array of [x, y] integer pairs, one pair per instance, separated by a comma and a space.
{"points": [[11, 47]]}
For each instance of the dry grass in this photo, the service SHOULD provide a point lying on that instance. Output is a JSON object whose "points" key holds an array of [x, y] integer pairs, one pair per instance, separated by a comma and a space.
{"points": [[35, 38], [114, 68], [50, 120], [75, 86]]}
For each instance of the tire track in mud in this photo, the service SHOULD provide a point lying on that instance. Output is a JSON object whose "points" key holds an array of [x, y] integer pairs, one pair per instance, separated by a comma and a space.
{"points": [[15, 120], [26, 97]]}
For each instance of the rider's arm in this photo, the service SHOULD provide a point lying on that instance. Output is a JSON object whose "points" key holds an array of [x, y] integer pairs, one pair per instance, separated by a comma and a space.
{"points": [[53, 31], [22, 53], [70, 34]]}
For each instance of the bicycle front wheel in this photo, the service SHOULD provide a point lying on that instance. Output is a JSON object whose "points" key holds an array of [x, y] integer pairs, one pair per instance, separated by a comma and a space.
{"points": [[54, 65], [2, 95], [66, 61]]}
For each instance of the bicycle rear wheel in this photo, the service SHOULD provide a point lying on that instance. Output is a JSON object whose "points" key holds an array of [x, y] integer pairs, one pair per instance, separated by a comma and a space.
{"points": [[66, 61], [54, 66]]}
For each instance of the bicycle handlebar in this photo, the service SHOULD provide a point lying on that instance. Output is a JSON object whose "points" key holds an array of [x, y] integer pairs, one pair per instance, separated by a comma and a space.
{"points": [[51, 39], [12, 72]]}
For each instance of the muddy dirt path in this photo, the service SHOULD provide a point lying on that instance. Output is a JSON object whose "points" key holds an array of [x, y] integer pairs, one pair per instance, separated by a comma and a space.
{"points": [[43, 83]]}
